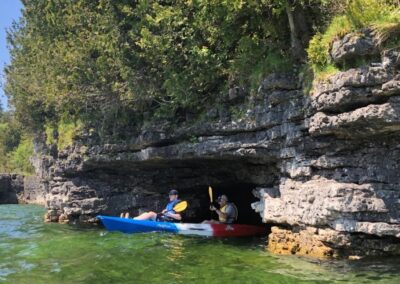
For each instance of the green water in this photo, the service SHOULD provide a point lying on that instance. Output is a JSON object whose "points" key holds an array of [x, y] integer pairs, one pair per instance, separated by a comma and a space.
{"points": [[34, 252]]}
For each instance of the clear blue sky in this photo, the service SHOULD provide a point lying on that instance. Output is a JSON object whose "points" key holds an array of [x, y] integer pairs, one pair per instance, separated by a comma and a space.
{"points": [[10, 10]]}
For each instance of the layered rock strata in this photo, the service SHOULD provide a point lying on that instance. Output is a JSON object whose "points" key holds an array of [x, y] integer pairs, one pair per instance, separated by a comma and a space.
{"points": [[347, 198], [324, 166]]}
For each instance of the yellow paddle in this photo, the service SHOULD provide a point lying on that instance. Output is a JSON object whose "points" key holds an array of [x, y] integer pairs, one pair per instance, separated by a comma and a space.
{"points": [[181, 206], [210, 193]]}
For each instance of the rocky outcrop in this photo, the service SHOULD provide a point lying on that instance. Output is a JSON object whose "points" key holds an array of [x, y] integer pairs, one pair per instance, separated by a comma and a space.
{"points": [[35, 191], [347, 202], [354, 46], [323, 167], [307, 241], [327, 243], [10, 187], [19, 189]]}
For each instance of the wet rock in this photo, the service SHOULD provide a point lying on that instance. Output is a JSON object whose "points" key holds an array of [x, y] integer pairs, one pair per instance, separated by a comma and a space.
{"points": [[63, 219], [328, 243], [305, 242]]}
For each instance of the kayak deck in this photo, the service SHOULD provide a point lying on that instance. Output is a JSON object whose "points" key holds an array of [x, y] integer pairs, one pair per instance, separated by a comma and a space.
{"points": [[217, 230]]}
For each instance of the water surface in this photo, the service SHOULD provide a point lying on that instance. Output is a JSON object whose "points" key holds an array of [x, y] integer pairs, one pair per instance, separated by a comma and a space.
{"points": [[34, 252]]}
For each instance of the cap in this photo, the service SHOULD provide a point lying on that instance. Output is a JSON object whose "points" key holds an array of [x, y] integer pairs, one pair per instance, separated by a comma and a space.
{"points": [[223, 196], [173, 192]]}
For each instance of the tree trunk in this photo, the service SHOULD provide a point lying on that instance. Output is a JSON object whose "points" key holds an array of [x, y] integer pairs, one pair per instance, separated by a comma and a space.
{"points": [[298, 31]]}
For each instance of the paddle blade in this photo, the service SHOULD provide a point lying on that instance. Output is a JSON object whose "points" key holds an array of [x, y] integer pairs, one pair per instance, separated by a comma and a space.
{"points": [[181, 206], [210, 193]]}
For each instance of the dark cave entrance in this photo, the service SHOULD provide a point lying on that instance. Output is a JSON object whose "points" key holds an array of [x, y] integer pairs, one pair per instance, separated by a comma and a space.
{"points": [[238, 193], [235, 178], [141, 187]]}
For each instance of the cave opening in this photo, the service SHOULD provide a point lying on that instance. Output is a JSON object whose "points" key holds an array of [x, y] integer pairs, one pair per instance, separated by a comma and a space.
{"points": [[238, 193], [235, 178], [137, 188]]}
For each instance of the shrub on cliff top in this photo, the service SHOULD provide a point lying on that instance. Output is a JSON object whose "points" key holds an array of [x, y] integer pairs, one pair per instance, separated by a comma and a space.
{"points": [[381, 15]]}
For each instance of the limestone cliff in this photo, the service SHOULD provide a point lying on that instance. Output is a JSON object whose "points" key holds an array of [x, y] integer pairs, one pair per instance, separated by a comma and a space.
{"points": [[10, 187], [324, 166], [16, 188]]}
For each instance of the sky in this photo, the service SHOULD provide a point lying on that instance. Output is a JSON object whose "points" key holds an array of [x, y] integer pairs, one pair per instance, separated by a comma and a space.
{"points": [[10, 10]]}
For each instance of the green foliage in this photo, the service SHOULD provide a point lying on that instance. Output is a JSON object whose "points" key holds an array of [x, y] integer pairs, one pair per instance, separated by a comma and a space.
{"points": [[15, 148], [10, 135], [112, 61], [67, 130], [363, 13], [257, 62], [10, 132], [194, 139], [63, 133], [380, 15], [114, 65], [325, 72], [50, 131], [237, 112], [19, 158]]}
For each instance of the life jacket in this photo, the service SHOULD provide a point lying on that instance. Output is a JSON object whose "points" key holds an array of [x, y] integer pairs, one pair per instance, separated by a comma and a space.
{"points": [[170, 209], [223, 209]]}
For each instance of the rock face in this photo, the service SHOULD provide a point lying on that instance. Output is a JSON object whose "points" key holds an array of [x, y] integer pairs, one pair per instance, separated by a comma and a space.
{"points": [[19, 189], [10, 187], [323, 167], [308, 241], [35, 191], [347, 198], [354, 46]]}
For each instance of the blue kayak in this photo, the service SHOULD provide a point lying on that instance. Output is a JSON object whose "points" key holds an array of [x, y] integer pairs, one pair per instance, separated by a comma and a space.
{"points": [[135, 226], [217, 230]]}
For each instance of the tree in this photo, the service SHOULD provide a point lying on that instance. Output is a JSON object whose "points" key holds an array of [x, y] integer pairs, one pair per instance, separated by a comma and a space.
{"points": [[114, 64]]}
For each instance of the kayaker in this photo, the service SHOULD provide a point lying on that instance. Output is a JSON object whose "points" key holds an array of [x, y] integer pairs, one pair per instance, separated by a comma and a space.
{"points": [[227, 212], [167, 215]]}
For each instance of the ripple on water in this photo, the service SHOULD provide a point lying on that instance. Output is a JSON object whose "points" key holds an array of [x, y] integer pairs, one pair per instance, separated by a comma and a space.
{"points": [[4, 272]]}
